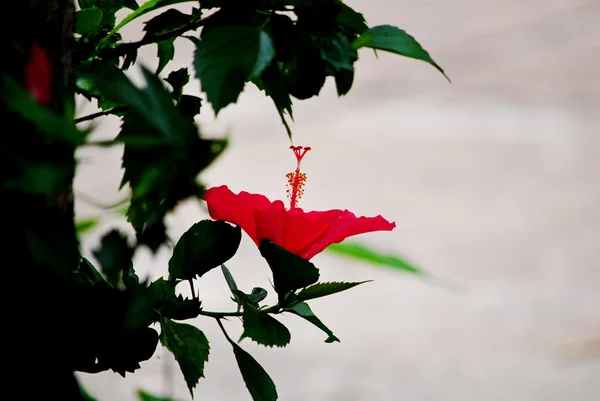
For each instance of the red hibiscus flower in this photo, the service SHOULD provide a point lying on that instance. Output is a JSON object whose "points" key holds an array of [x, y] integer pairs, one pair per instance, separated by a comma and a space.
{"points": [[37, 77], [303, 233]]}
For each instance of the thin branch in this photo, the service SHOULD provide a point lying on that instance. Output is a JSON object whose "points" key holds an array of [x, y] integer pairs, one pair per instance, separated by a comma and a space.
{"points": [[219, 315], [192, 288], [100, 114], [124, 48], [223, 330]]}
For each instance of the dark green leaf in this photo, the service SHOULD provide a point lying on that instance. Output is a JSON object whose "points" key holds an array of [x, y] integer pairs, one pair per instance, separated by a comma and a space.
{"points": [[303, 310], [165, 22], [285, 36], [190, 348], [257, 380], [178, 79], [87, 20], [350, 22], [395, 40], [271, 81], [114, 256], [366, 254], [129, 60], [162, 290], [323, 289], [189, 106], [131, 4], [263, 328], [163, 298], [290, 271], [166, 52], [305, 74], [343, 81], [227, 57], [337, 52], [206, 245], [144, 396]]}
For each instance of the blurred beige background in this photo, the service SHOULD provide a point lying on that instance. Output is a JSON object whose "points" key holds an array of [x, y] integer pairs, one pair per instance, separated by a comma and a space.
{"points": [[493, 182]]}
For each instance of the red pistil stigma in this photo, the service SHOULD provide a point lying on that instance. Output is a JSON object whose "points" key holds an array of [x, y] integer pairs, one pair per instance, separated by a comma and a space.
{"points": [[296, 178], [300, 151]]}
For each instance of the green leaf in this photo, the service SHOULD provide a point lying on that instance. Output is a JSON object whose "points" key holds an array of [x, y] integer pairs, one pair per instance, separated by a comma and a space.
{"points": [[57, 127], [88, 274], [206, 245], [40, 178], [101, 4], [163, 299], [114, 256], [166, 52], [227, 57], [257, 295], [290, 271], [85, 225], [395, 40], [229, 278], [258, 382], [303, 310], [363, 253], [88, 20], [163, 153], [350, 22], [153, 104], [108, 8], [189, 346], [145, 396], [271, 81], [323, 289], [337, 52], [263, 328], [147, 7]]}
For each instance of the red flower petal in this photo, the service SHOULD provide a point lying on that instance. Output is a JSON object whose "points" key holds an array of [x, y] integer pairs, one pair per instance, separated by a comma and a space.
{"points": [[235, 208], [37, 77], [292, 229], [344, 226], [303, 233]]}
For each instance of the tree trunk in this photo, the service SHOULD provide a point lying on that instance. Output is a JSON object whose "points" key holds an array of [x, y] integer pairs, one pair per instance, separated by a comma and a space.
{"points": [[40, 249]]}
